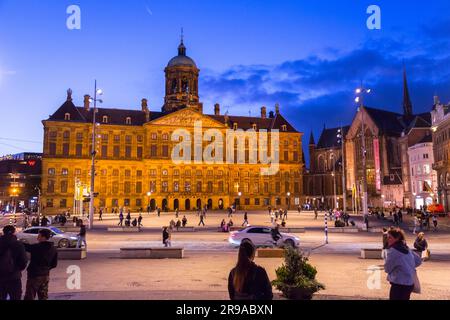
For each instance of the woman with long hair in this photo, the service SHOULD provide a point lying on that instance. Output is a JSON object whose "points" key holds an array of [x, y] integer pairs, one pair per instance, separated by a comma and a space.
{"points": [[400, 265], [247, 281]]}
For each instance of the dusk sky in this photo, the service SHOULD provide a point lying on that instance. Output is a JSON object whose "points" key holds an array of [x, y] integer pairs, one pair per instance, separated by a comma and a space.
{"points": [[308, 56]]}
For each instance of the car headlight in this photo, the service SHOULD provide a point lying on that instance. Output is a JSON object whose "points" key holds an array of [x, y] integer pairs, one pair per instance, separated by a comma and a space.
{"points": [[73, 238]]}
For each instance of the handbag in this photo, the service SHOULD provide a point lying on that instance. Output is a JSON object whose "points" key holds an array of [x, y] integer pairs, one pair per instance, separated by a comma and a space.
{"points": [[417, 289]]}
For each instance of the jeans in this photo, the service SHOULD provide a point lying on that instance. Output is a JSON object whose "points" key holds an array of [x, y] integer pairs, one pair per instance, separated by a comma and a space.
{"points": [[37, 286], [11, 289], [400, 292], [82, 240]]}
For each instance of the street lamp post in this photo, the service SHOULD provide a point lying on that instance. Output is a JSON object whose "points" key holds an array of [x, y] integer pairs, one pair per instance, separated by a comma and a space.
{"points": [[360, 99], [148, 206], [93, 154], [239, 194], [334, 188], [289, 200]]}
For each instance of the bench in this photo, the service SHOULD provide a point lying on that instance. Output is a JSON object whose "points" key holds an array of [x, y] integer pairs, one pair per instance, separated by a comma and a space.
{"points": [[185, 229], [343, 230], [124, 229], [293, 230], [270, 253], [151, 253], [71, 254], [371, 254]]}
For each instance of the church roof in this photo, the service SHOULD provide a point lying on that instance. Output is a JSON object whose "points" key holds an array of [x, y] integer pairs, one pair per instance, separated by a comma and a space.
{"points": [[183, 61], [328, 138]]}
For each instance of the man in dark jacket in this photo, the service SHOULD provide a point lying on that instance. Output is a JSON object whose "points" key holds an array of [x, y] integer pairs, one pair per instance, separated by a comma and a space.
{"points": [[44, 257], [13, 260]]}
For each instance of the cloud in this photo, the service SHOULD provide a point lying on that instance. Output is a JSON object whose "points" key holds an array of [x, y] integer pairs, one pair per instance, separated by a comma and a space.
{"points": [[318, 90]]}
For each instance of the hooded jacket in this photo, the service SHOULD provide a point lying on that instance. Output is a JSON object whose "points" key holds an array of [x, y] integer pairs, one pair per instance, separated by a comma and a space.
{"points": [[401, 264], [44, 257], [18, 254]]}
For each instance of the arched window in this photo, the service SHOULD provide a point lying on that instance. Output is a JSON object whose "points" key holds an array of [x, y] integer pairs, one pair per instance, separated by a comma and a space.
{"points": [[284, 128], [128, 120], [67, 117], [105, 119], [235, 126], [254, 126]]}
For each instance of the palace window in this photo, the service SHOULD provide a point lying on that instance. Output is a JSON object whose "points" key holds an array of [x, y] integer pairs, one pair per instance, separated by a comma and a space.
{"points": [[254, 126], [139, 173], [128, 152], [116, 151], [210, 186], [165, 137], [198, 172], [152, 186], [77, 172], [51, 186], [165, 151], [66, 135], [153, 172], [64, 186], [165, 186], [140, 138], [67, 117], [128, 120], [176, 186], [63, 203], [139, 152], [284, 128], [116, 138], [235, 126], [139, 187], [220, 186], [154, 136], [199, 186], [53, 134], [79, 136], [127, 173], [127, 187], [187, 186], [115, 172], [153, 150], [176, 172], [51, 171], [65, 172], [128, 139], [165, 172], [105, 119], [49, 203]]}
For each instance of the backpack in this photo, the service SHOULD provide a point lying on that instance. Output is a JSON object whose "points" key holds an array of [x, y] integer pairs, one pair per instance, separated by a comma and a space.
{"points": [[6, 262]]}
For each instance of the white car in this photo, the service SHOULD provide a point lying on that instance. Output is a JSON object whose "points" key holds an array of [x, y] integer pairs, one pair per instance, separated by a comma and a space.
{"points": [[59, 238], [262, 237]]}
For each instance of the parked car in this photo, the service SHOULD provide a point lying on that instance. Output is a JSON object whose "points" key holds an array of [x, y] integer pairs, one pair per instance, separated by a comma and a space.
{"points": [[262, 237], [59, 238]]}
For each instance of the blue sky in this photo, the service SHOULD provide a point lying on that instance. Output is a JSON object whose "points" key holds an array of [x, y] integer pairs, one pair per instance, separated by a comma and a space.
{"points": [[306, 55]]}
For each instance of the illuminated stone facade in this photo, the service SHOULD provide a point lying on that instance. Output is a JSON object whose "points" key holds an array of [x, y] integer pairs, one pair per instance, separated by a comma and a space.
{"points": [[134, 149]]}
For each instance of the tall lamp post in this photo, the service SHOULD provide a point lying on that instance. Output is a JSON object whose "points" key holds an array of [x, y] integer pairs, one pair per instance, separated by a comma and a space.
{"points": [[360, 99], [149, 194], [240, 195], [341, 141], [289, 200], [93, 153]]}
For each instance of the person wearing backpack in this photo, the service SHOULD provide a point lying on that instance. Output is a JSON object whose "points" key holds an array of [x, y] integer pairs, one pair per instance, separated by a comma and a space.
{"points": [[13, 260], [247, 281]]}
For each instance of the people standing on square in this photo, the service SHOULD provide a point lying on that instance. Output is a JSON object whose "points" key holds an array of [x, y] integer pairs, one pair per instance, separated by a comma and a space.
{"points": [[82, 236], [245, 223], [120, 219]]}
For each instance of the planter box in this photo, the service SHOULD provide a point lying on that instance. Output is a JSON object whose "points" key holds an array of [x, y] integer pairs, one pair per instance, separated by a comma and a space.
{"points": [[151, 253], [371, 254], [270, 253], [293, 230], [343, 230], [124, 229], [72, 254]]}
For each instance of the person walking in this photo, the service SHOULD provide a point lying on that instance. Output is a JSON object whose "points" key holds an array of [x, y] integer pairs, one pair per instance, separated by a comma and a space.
{"points": [[184, 221], [120, 219], [435, 222], [176, 213], [245, 223], [366, 222], [385, 243], [400, 215], [248, 281], [82, 236], [421, 246], [13, 260], [316, 213], [285, 214], [44, 221], [416, 224], [166, 237], [158, 210], [100, 215], [400, 265], [140, 220], [26, 223], [44, 257], [178, 224], [201, 220]]}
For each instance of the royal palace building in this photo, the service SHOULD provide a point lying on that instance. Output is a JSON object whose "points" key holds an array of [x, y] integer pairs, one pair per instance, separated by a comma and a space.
{"points": [[134, 166]]}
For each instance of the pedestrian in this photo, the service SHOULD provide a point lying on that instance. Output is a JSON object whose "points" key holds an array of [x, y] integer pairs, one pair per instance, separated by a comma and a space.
{"points": [[247, 281], [63, 220], [400, 216], [44, 221], [140, 220], [400, 265], [276, 235], [176, 213], [166, 237], [13, 260], [201, 220], [285, 214], [416, 224], [316, 214], [148, 209], [245, 219], [276, 214], [121, 219], [159, 212], [100, 217], [184, 221], [178, 224], [82, 236], [26, 223], [366, 222], [385, 243], [435, 222], [223, 226], [421, 246], [299, 209], [44, 257]]}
